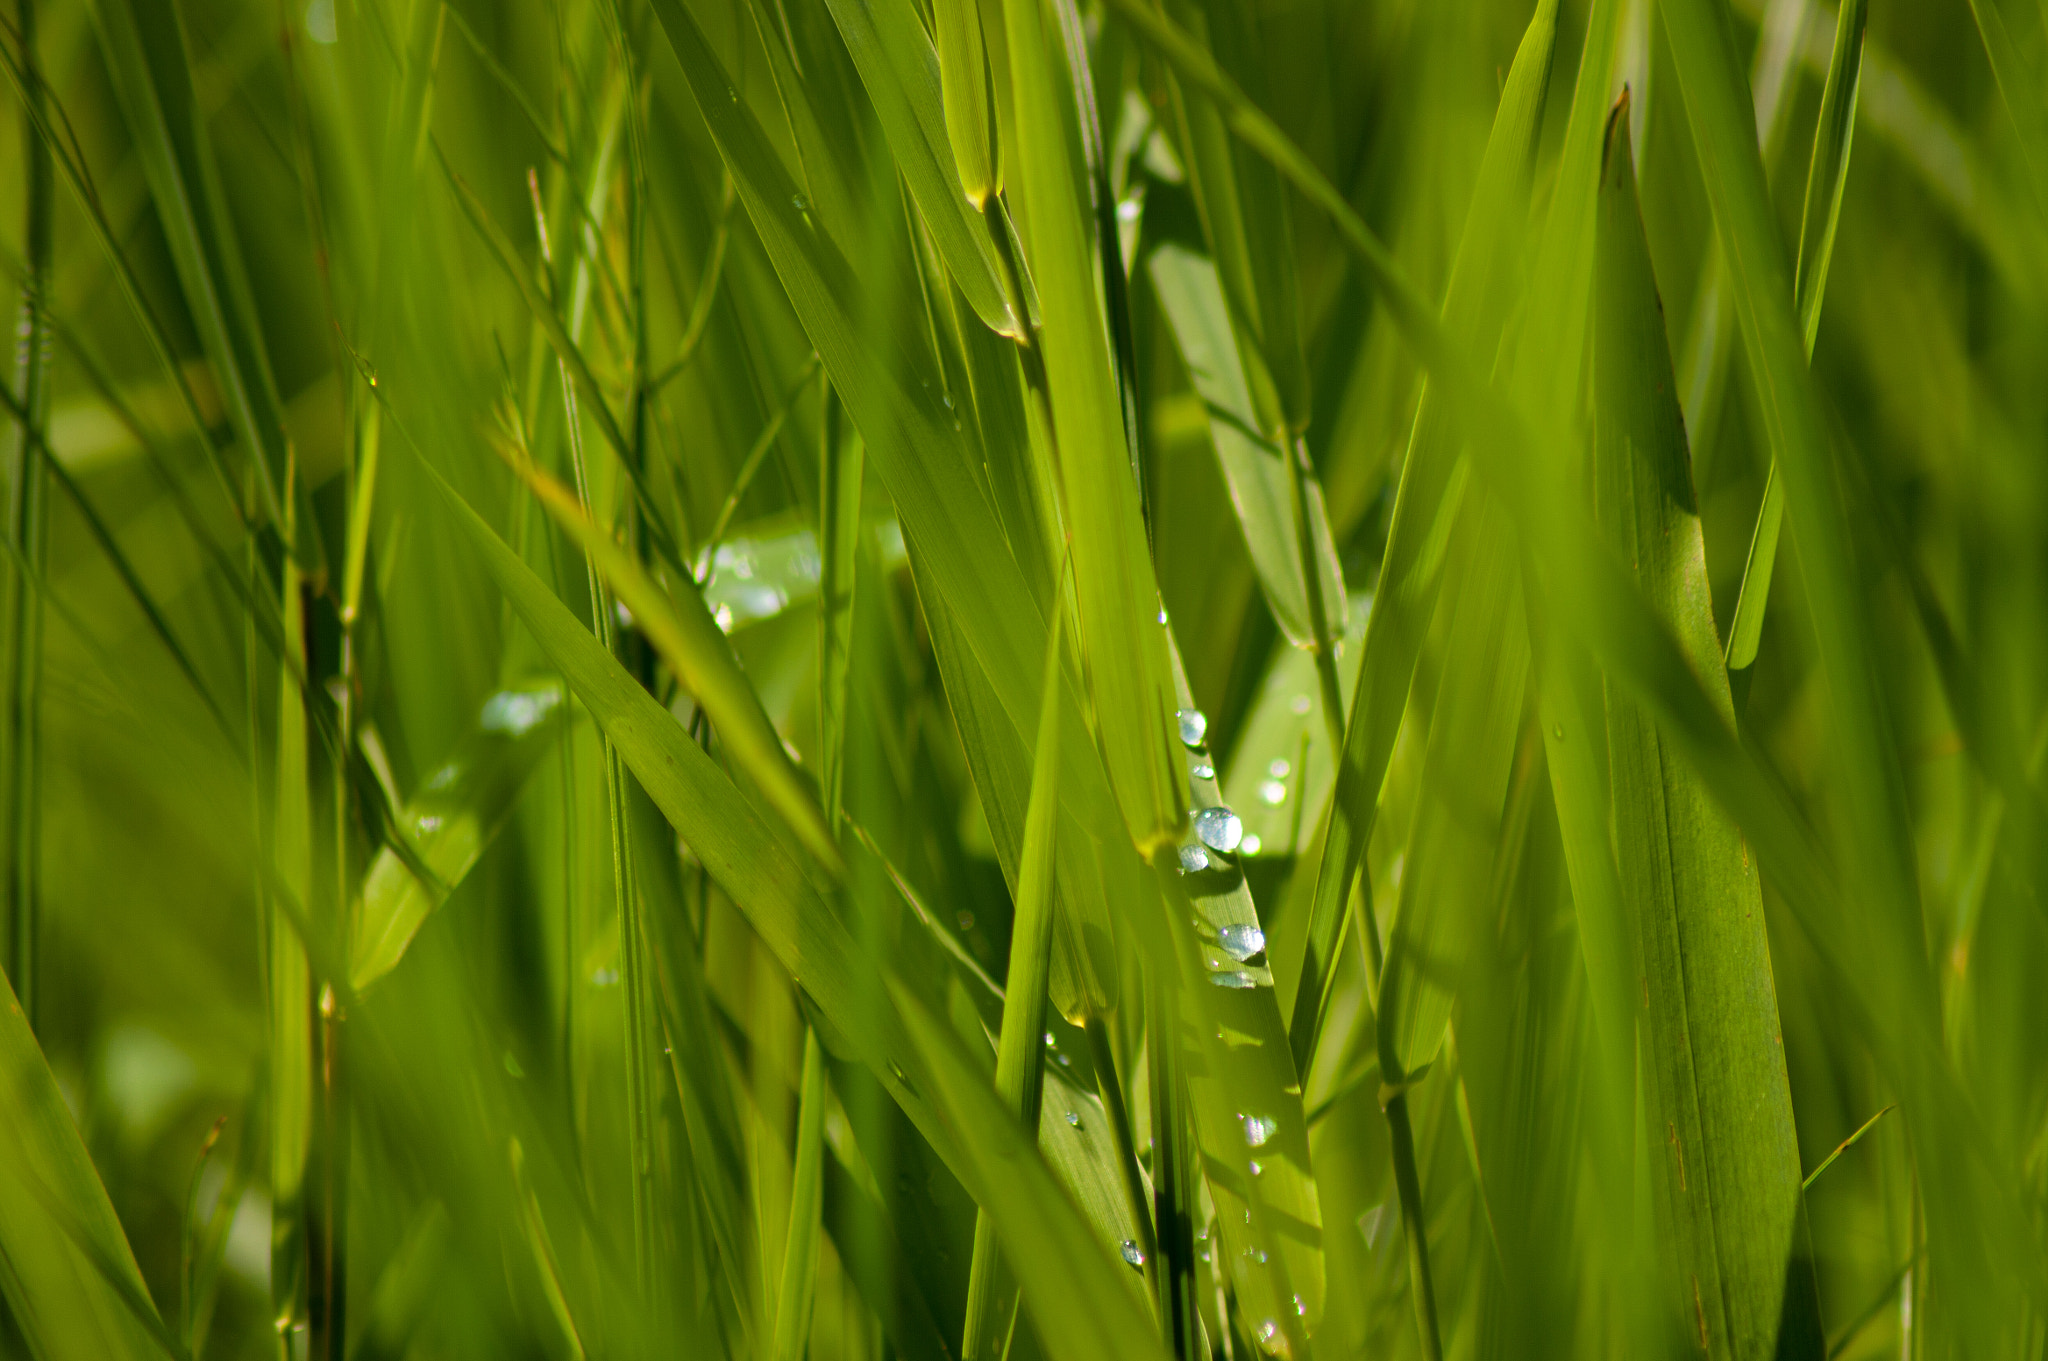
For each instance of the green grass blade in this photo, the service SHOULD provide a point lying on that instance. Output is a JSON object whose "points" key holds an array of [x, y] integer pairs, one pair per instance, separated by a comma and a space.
{"points": [[2022, 91], [1254, 468], [1116, 598], [963, 87], [1424, 507], [1826, 180], [289, 985], [145, 50], [806, 1203], [457, 814], [901, 72], [71, 1281], [1020, 1056], [689, 640], [1079, 1306], [1728, 1178]]}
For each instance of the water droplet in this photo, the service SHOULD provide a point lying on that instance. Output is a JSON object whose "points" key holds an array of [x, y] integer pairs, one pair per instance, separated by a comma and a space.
{"points": [[1241, 942], [624, 615], [1254, 1166], [1250, 845], [1065, 1062], [1557, 731], [1128, 210], [1074, 1119], [1219, 829], [1049, 1040], [1162, 614], [1132, 1254], [1272, 1341], [1257, 1255], [732, 94], [1202, 770], [1234, 978], [797, 202], [1272, 793], [724, 618], [947, 398], [1194, 726], [966, 920], [429, 822], [1300, 704], [1193, 860], [1301, 1306], [1280, 769], [1258, 1129]]}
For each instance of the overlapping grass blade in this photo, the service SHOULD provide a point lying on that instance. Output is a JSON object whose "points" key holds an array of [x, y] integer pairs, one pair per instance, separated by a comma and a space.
{"points": [[806, 1204], [1718, 1099]]}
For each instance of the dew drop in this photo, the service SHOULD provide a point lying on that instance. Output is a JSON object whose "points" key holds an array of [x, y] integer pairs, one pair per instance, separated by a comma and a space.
{"points": [[1300, 1306], [1219, 829], [1254, 1166], [1258, 1255], [1074, 1119], [1280, 769], [1300, 704], [1272, 793], [1194, 726], [1193, 860], [732, 94], [947, 398], [1241, 941], [797, 201], [1128, 210], [429, 823], [1132, 1254], [966, 920], [1202, 770], [1233, 978], [724, 618], [1258, 1129], [1251, 844], [1049, 1039], [1162, 614], [1272, 1341]]}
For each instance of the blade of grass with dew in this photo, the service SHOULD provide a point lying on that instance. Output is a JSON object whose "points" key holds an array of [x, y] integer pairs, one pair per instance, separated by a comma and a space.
{"points": [[1728, 1178], [698, 651], [806, 1203], [146, 50], [1254, 468], [1424, 508], [901, 72], [452, 820], [1020, 1058], [59, 1237], [1116, 598], [1826, 180], [1070, 1287]]}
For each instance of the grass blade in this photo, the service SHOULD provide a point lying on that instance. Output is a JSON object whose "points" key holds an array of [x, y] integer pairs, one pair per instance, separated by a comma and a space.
{"points": [[806, 1203], [1728, 1182]]}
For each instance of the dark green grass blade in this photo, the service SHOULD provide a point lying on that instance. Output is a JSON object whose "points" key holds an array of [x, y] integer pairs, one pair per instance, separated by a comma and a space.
{"points": [[1719, 1101]]}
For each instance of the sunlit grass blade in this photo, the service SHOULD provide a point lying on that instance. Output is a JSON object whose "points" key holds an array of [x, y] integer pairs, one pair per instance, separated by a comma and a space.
{"points": [[1718, 1098], [1020, 1057], [1116, 597], [689, 640], [1826, 180], [1425, 505], [894, 55], [963, 85], [456, 815]]}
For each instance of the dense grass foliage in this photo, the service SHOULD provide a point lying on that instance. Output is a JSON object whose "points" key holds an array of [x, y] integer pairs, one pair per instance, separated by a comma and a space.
{"points": [[1024, 678]]}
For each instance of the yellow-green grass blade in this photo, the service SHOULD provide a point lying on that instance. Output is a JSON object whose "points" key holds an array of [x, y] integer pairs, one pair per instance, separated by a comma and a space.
{"points": [[289, 980], [1069, 1280], [1254, 467], [70, 1280], [453, 819], [689, 640], [1826, 180], [1116, 598], [806, 1204], [1718, 1101], [1425, 505], [963, 87], [145, 51], [839, 497], [1020, 1057], [894, 55]]}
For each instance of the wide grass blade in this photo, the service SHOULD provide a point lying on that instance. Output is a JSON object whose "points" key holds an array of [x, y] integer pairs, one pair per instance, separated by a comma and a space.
{"points": [[1718, 1100]]}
